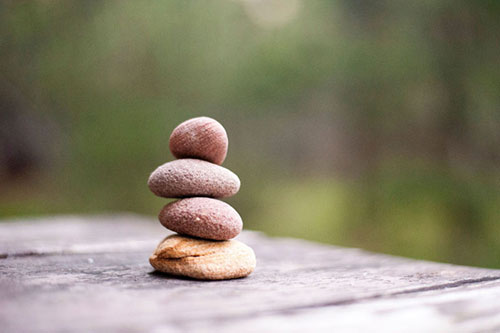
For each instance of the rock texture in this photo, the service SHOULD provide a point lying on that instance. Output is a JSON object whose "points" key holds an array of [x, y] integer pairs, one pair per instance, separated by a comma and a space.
{"points": [[201, 144], [202, 217], [202, 259], [192, 177], [203, 138]]}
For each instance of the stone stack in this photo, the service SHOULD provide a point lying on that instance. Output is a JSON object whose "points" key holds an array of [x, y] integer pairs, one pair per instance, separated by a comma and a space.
{"points": [[203, 248]]}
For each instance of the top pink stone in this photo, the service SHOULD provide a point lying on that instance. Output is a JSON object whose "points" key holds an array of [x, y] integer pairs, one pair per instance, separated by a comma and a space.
{"points": [[203, 138]]}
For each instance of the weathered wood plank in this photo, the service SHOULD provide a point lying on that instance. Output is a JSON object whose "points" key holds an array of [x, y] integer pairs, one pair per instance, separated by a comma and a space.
{"points": [[75, 273], [75, 234], [468, 308]]}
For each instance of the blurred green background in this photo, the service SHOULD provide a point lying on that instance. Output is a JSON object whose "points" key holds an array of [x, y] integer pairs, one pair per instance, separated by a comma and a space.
{"points": [[373, 124]]}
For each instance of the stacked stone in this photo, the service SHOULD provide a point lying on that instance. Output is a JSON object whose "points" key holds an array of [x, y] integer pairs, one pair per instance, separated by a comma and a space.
{"points": [[203, 248]]}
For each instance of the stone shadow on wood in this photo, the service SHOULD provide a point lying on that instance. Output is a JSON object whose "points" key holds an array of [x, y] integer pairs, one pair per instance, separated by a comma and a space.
{"points": [[161, 275]]}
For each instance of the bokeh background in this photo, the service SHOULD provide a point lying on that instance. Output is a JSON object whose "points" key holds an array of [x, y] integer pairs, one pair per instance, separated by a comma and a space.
{"points": [[373, 124]]}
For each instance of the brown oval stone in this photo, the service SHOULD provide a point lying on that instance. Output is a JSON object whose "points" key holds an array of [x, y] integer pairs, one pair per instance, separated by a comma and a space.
{"points": [[202, 137], [202, 217], [191, 178], [203, 259]]}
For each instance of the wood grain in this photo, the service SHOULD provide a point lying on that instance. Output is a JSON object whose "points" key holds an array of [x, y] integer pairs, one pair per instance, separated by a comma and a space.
{"points": [[72, 273]]}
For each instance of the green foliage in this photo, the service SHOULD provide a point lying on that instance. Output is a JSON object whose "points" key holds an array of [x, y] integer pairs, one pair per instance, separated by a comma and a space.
{"points": [[366, 124]]}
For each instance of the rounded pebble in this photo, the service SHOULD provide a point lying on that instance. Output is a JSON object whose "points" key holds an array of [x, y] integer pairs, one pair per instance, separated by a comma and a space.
{"points": [[191, 177], [202, 217], [203, 137], [203, 259]]}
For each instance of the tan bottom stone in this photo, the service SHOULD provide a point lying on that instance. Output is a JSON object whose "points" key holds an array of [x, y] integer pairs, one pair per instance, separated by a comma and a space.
{"points": [[203, 259]]}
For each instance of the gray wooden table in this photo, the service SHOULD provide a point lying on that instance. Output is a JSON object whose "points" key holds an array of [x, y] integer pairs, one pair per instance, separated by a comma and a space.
{"points": [[84, 274]]}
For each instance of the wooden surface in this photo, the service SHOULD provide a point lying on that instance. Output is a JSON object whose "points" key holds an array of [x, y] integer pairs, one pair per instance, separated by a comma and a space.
{"points": [[92, 274]]}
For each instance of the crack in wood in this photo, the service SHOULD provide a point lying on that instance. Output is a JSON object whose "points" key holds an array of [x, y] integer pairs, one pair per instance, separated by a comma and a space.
{"points": [[353, 301]]}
